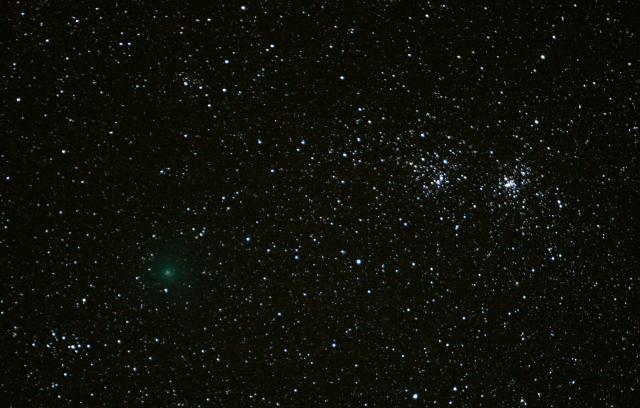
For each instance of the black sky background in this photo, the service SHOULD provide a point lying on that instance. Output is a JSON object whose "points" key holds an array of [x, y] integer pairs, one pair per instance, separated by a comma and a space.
{"points": [[362, 204]]}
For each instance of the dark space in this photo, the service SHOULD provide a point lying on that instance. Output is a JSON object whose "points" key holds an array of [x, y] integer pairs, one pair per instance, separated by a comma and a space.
{"points": [[337, 204]]}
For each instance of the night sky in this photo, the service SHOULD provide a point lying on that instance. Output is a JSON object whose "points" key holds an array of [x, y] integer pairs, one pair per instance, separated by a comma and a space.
{"points": [[337, 204]]}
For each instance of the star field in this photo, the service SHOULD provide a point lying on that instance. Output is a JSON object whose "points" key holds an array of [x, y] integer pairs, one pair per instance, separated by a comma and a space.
{"points": [[337, 204]]}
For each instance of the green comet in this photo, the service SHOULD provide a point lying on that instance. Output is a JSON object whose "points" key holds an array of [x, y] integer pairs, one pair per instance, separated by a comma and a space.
{"points": [[168, 273], [167, 267]]}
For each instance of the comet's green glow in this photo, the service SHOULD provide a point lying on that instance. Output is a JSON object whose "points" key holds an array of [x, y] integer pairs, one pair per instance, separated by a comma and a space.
{"points": [[168, 267], [167, 273], [165, 269]]}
